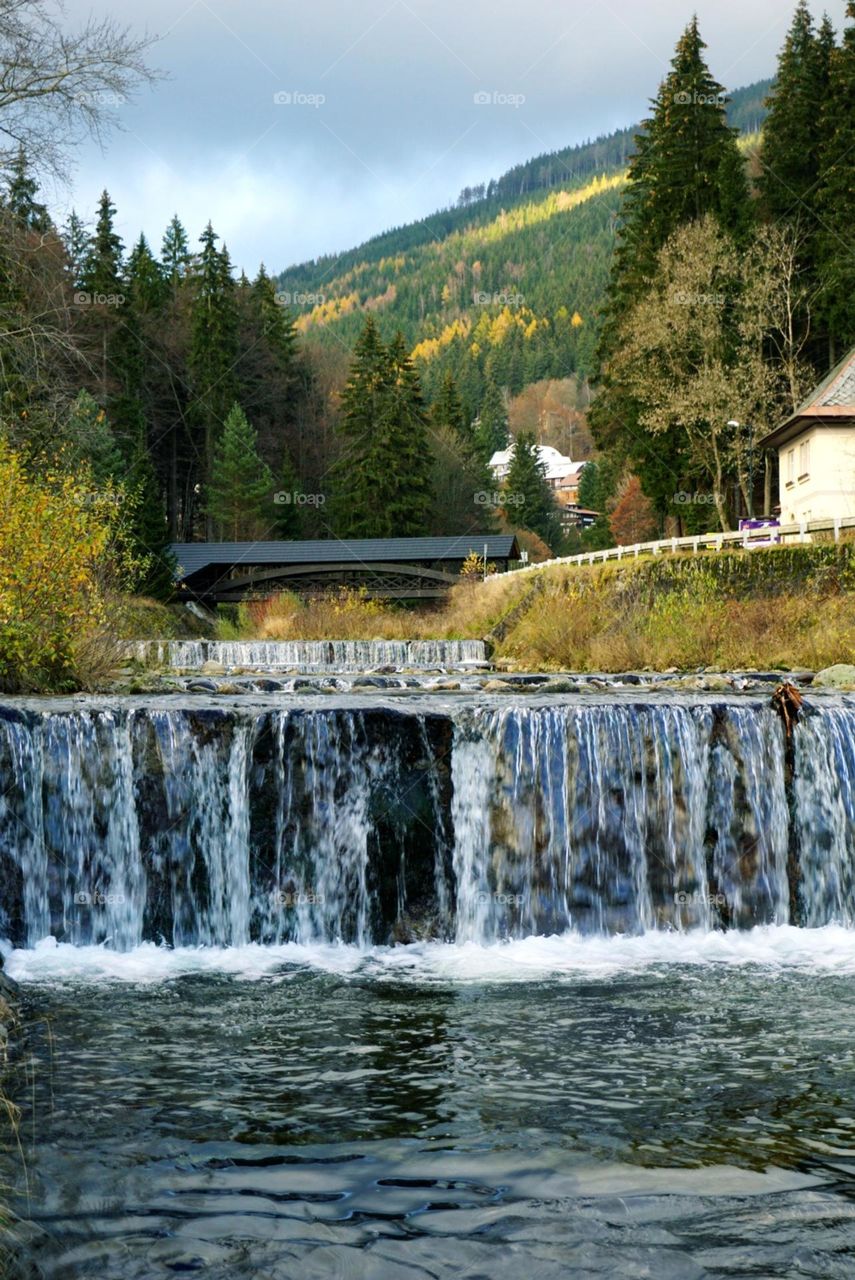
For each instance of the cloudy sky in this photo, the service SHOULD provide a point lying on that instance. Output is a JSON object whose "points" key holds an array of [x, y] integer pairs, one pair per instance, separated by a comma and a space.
{"points": [[304, 126]]}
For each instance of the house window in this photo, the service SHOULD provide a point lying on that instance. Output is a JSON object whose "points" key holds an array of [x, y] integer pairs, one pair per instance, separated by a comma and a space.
{"points": [[791, 466], [804, 459]]}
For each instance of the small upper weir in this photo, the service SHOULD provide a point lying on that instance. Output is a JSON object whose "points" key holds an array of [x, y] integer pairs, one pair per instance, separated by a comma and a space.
{"points": [[306, 656]]}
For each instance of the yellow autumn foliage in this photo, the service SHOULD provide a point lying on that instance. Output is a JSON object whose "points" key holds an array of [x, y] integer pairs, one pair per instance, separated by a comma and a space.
{"points": [[54, 534]]}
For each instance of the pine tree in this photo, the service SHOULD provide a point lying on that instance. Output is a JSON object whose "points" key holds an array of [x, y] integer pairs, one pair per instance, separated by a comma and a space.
{"points": [[78, 243], [240, 488], [406, 493], [687, 165], [836, 197], [362, 406], [102, 268], [214, 346], [147, 531], [175, 252], [21, 197], [447, 409], [792, 132], [492, 431], [89, 440], [288, 512], [275, 320], [533, 502]]}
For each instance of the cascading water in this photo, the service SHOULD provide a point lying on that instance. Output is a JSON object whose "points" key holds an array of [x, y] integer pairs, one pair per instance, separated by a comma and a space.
{"points": [[197, 824], [307, 656]]}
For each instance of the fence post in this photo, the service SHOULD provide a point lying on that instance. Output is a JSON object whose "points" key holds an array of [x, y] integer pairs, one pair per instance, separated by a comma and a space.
{"points": [[837, 528]]}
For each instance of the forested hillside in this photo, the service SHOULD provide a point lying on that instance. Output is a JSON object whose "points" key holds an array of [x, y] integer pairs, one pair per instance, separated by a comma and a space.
{"points": [[506, 286]]}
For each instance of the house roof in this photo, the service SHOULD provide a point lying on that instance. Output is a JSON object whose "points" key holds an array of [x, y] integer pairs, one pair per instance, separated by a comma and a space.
{"points": [[831, 404], [194, 556], [557, 464]]}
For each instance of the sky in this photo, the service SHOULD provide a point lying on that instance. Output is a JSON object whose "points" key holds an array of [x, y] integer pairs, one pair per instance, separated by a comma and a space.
{"points": [[302, 127]]}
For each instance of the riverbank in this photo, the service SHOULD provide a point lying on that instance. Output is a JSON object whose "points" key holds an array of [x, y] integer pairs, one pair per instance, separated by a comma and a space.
{"points": [[782, 607], [10, 1029]]}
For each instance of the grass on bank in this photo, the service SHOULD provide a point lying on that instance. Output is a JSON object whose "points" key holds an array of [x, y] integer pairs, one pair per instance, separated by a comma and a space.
{"points": [[777, 607]]}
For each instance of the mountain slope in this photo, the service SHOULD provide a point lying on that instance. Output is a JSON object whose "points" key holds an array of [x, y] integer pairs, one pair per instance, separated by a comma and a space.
{"points": [[507, 284]]}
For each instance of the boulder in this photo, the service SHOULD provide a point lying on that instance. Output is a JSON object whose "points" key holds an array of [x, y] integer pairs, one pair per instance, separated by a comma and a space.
{"points": [[498, 686], [839, 676]]}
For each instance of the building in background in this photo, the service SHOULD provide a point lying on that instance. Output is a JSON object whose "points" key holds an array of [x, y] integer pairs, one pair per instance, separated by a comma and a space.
{"points": [[561, 472], [816, 451]]}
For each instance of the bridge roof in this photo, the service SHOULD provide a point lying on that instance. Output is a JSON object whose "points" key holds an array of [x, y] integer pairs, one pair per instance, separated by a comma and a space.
{"points": [[195, 556]]}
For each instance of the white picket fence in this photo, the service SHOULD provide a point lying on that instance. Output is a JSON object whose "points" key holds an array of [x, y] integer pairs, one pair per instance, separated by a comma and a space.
{"points": [[785, 533]]}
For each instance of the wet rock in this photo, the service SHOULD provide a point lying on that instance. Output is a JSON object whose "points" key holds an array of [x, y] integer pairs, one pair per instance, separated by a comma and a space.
{"points": [[560, 684], [226, 686], [498, 686], [210, 668], [202, 686], [704, 684], [449, 685], [268, 686], [370, 682], [839, 676], [304, 686]]}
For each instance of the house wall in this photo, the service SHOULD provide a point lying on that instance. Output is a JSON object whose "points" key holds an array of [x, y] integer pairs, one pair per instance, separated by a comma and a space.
{"points": [[817, 474]]}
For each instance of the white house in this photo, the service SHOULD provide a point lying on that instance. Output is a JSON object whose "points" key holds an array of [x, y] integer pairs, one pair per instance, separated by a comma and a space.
{"points": [[561, 472], [816, 450]]}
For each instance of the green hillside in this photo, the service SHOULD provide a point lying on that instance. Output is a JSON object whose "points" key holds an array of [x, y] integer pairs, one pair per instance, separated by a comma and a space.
{"points": [[505, 285]]}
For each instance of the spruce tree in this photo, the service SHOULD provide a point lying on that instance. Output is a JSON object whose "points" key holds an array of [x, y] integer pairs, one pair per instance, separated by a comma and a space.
{"points": [[21, 197], [531, 502], [241, 485], [288, 514], [492, 431], [78, 243], [275, 320], [792, 131], [406, 493], [147, 530], [447, 409], [175, 252], [362, 408], [213, 347], [88, 440], [686, 165], [836, 198]]}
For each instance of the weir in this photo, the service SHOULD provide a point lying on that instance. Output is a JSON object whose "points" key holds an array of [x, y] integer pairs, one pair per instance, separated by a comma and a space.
{"points": [[306, 656], [190, 823]]}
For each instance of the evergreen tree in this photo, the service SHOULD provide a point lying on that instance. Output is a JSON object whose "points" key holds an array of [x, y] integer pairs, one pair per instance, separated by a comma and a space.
{"points": [[175, 252], [383, 486], [447, 409], [792, 131], [687, 165], [275, 320], [491, 431], [78, 244], [21, 197], [214, 346], [288, 512], [239, 491], [534, 505], [836, 198], [102, 268], [147, 530], [88, 440]]}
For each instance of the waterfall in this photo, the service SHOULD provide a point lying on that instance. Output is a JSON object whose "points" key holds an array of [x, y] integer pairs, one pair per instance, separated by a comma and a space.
{"points": [[189, 824], [306, 656]]}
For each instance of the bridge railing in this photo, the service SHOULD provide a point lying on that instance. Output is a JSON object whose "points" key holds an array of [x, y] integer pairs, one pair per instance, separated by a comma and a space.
{"points": [[705, 542]]}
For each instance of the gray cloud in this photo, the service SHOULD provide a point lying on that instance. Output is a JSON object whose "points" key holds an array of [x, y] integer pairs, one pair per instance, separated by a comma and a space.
{"points": [[398, 131]]}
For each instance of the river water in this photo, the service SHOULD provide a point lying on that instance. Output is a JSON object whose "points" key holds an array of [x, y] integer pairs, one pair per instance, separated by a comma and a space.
{"points": [[616, 1055]]}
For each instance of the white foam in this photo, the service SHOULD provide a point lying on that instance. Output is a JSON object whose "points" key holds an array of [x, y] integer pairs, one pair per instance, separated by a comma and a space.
{"points": [[567, 957]]}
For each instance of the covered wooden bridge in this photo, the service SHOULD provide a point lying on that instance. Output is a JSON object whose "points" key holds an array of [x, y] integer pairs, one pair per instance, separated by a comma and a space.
{"points": [[385, 568]]}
